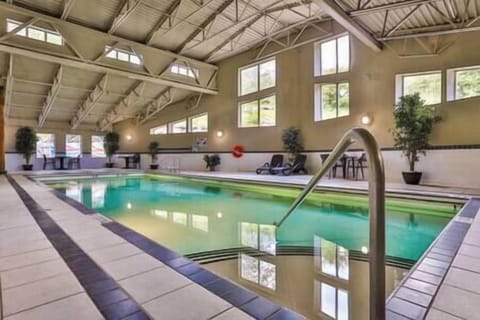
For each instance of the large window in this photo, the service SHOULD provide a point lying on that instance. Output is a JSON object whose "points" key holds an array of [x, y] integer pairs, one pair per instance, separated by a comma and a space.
{"points": [[257, 77], [73, 145], [333, 301], [159, 130], [428, 85], [199, 123], [332, 100], [179, 126], [45, 145], [181, 69], [98, 151], [332, 56], [258, 113], [122, 55], [463, 83], [36, 33]]}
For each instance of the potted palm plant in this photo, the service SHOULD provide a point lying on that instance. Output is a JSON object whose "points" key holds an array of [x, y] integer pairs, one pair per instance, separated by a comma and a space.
{"points": [[111, 144], [414, 122], [211, 161], [153, 150], [292, 142], [26, 144]]}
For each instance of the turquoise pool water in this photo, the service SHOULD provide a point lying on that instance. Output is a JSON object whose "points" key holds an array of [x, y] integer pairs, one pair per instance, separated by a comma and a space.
{"points": [[192, 217]]}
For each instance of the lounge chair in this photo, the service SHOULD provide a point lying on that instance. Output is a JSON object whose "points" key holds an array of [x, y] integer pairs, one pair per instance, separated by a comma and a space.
{"points": [[277, 161], [296, 167]]}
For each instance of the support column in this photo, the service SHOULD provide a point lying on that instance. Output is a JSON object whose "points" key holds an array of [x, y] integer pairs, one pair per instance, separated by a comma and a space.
{"points": [[2, 136]]}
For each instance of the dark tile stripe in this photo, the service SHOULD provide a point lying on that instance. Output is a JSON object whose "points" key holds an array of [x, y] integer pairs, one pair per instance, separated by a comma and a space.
{"points": [[111, 300], [248, 301], [414, 296]]}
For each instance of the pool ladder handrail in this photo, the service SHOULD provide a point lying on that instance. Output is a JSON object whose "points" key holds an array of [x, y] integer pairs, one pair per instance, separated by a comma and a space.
{"points": [[376, 190]]}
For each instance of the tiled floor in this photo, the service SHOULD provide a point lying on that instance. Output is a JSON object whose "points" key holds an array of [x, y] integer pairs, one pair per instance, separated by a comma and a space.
{"points": [[36, 283]]}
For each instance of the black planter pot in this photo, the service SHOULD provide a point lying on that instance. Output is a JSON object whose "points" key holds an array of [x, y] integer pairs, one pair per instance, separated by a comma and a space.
{"points": [[412, 177], [154, 166], [108, 165], [27, 167]]}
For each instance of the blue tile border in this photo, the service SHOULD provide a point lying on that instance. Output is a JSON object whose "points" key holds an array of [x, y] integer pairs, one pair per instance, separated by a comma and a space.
{"points": [[414, 296], [109, 298]]}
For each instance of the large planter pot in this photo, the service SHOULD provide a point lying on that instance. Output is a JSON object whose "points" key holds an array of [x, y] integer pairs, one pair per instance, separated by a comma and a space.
{"points": [[109, 165], [211, 168], [154, 166], [412, 177], [27, 167]]}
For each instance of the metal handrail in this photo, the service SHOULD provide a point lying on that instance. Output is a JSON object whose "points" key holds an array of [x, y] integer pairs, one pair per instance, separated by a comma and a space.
{"points": [[376, 190]]}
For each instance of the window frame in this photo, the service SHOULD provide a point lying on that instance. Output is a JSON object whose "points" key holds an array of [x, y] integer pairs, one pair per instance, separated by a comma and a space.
{"points": [[54, 144], [26, 29], [451, 82], [192, 73], [66, 142], [130, 54], [239, 112], [156, 127], [317, 100], [171, 124], [92, 155], [317, 72], [400, 86], [189, 124], [256, 64]]}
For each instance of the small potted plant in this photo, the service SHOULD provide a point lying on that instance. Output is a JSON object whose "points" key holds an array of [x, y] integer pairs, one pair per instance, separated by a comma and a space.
{"points": [[153, 150], [26, 144], [414, 122], [111, 144], [292, 142], [211, 161]]}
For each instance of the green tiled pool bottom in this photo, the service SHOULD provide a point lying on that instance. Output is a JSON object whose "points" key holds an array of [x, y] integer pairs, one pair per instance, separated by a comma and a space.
{"points": [[315, 263]]}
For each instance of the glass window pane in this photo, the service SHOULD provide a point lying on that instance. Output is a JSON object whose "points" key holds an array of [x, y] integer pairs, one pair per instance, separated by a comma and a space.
{"points": [[268, 275], [328, 302], [343, 54], [36, 34], [135, 59], [249, 114], [199, 124], [267, 74], [343, 263], [467, 83], [174, 69], [249, 234], [267, 238], [328, 252], [342, 305], [159, 130], [123, 56], [98, 150], [249, 80], [54, 39], [45, 145], [12, 25], [182, 70], [73, 145], [429, 86], [343, 99], [329, 101], [267, 112], [112, 54], [249, 268], [179, 126], [329, 57]]}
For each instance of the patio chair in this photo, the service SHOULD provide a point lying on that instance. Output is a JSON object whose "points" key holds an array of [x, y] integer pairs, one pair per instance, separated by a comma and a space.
{"points": [[296, 167], [136, 161], [361, 164], [49, 161], [74, 162], [277, 161], [324, 157], [341, 163]]}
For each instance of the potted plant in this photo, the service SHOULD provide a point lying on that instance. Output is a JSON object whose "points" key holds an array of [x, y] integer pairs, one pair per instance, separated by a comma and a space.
{"points": [[26, 144], [111, 144], [414, 122], [211, 161], [292, 142], [153, 150]]}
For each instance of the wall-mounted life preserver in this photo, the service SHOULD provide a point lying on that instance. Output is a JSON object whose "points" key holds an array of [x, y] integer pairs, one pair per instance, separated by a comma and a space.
{"points": [[238, 151]]}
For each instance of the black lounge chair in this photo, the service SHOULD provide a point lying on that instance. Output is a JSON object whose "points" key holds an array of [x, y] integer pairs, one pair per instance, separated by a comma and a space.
{"points": [[296, 167], [277, 161]]}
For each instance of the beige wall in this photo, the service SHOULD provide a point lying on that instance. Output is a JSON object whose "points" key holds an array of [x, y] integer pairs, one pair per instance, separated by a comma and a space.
{"points": [[372, 90]]}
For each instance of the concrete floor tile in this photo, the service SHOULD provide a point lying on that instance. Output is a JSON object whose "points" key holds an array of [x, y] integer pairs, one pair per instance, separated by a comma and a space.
{"points": [[466, 262], [461, 303], [463, 279], [29, 258], [114, 252], [130, 266], [201, 304], [149, 285], [435, 314], [22, 246], [233, 314]]}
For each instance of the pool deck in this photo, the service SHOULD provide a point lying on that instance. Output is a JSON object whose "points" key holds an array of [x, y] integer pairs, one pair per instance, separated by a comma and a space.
{"points": [[56, 262]]}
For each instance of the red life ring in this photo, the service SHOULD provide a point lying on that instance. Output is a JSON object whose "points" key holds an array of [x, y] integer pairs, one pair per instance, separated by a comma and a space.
{"points": [[238, 151]]}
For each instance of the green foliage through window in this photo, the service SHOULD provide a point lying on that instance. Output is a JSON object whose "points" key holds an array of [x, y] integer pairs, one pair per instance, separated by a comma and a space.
{"points": [[467, 83], [332, 101], [258, 113], [428, 86]]}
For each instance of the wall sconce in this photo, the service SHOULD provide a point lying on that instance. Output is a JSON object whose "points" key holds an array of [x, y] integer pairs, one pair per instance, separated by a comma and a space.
{"points": [[129, 137], [366, 119], [219, 133]]}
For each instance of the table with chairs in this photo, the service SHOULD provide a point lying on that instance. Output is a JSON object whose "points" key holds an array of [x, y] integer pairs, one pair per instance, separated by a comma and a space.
{"points": [[351, 165], [61, 162]]}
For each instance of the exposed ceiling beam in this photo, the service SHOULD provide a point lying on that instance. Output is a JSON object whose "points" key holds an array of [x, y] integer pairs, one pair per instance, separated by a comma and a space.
{"points": [[87, 106], [9, 87], [52, 95], [204, 24], [170, 10], [80, 29], [389, 6], [67, 7], [331, 8], [125, 11], [402, 21], [413, 34], [164, 99]]}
